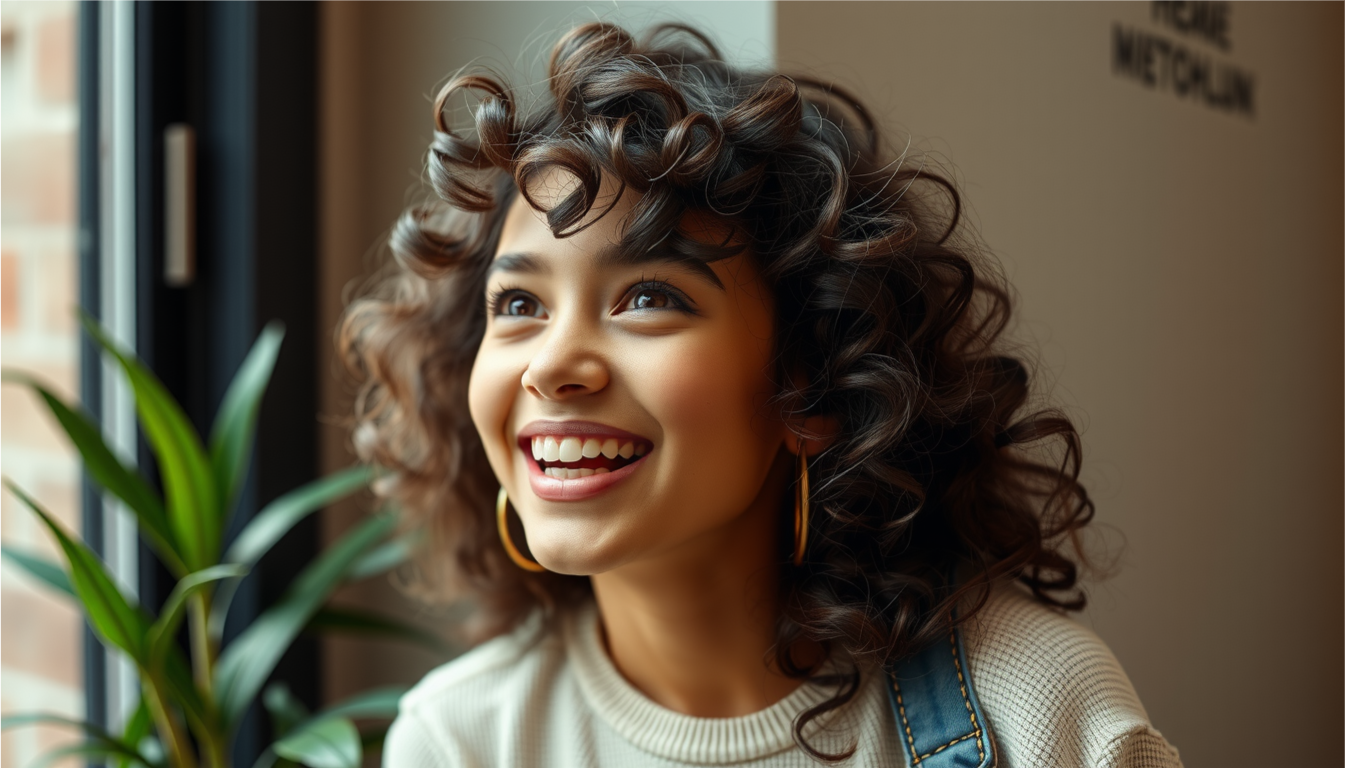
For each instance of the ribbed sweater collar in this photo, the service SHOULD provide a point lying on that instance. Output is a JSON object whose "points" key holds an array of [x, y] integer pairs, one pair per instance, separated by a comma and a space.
{"points": [[672, 735]]}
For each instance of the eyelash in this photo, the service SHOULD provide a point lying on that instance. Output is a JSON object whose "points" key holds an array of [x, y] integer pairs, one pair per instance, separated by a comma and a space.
{"points": [[495, 299], [677, 300]]}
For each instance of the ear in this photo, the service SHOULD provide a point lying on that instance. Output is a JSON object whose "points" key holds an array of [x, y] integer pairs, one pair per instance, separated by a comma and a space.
{"points": [[814, 434]]}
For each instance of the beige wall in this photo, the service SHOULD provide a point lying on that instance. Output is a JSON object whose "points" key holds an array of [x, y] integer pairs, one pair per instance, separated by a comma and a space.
{"points": [[1180, 271]]}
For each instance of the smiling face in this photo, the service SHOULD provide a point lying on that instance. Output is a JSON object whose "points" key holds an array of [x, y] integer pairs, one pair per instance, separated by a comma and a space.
{"points": [[623, 406]]}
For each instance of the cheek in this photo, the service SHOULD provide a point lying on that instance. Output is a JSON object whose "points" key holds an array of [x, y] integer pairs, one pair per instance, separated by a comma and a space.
{"points": [[709, 394], [489, 399], [701, 393]]}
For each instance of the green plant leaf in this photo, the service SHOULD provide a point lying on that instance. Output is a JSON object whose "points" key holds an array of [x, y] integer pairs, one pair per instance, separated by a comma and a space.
{"points": [[236, 421], [45, 571], [276, 519], [92, 750], [194, 514], [109, 472], [286, 711], [386, 557], [45, 718], [136, 734], [112, 616], [103, 742], [329, 619], [181, 689], [377, 703], [328, 743], [160, 637], [116, 620], [248, 661]]}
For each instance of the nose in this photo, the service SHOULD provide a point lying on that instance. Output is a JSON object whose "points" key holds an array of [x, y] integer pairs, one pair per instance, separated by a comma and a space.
{"points": [[569, 363]]}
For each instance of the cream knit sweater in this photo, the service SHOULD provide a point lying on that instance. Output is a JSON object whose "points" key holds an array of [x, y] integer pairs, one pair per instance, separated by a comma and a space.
{"points": [[1052, 690]]}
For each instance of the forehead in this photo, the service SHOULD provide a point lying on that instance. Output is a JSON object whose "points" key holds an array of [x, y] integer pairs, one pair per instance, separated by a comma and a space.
{"points": [[525, 230]]}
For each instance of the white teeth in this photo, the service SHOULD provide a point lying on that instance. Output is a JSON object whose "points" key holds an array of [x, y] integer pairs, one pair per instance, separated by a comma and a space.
{"points": [[559, 448], [601, 471], [571, 449], [561, 473]]}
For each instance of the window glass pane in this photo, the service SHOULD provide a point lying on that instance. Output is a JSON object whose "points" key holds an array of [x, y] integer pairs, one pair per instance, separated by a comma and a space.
{"points": [[40, 634]]}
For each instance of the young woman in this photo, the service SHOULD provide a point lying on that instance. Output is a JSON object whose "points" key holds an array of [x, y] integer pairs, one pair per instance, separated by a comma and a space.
{"points": [[699, 390]]}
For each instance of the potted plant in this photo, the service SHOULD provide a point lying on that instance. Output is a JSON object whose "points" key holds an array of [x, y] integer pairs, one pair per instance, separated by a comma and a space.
{"points": [[193, 700]]}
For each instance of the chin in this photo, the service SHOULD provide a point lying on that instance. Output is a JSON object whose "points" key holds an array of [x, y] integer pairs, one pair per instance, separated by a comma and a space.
{"points": [[576, 550], [571, 561]]}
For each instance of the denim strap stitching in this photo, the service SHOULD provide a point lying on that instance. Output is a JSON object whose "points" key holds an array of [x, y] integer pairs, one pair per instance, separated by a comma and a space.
{"points": [[966, 701], [901, 708], [962, 683], [942, 747]]}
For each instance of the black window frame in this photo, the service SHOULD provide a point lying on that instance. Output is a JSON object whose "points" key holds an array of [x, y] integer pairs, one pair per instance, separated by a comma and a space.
{"points": [[243, 75]]}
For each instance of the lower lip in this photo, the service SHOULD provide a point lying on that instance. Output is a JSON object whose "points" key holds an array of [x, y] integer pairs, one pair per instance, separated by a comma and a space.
{"points": [[579, 488]]}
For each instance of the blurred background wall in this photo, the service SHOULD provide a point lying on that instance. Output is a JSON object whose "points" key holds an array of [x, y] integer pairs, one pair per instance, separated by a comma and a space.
{"points": [[1177, 252], [38, 293], [1179, 266]]}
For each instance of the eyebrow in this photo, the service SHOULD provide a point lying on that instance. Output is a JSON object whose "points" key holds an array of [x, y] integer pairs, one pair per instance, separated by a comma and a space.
{"points": [[530, 264], [523, 263]]}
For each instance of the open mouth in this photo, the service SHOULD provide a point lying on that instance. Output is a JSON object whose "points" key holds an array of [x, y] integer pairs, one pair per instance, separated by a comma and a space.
{"points": [[567, 457]]}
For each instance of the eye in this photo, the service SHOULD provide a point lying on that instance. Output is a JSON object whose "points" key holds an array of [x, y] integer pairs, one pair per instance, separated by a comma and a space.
{"points": [[656, 295], [650, 299], [520, 305], [515, 303]]}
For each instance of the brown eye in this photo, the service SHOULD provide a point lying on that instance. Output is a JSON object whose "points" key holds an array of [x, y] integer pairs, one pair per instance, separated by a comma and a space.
{"points": [[520, 306], [655, 296], [517, 304], [649, 299]]}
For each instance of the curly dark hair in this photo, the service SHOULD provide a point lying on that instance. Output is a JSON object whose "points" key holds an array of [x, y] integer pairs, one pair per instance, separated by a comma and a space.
{"points": [[888, 319]]}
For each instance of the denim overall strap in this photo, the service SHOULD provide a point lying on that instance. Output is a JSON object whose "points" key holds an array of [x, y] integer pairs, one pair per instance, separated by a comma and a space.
{"points": [[940, 721]]}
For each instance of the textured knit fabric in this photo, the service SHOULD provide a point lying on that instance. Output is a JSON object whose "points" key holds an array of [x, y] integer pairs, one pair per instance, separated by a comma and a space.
{"points": [[1053, 692]]}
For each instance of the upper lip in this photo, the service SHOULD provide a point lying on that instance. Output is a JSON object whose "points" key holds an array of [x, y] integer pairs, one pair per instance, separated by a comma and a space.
{"points": [[545, 427]]}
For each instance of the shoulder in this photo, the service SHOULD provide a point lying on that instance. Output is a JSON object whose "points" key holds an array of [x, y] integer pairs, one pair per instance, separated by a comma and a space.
{"points": [[451, 717], [1053, 691]]}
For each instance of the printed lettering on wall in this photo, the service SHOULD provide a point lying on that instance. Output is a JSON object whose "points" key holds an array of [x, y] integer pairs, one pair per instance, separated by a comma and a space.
{"points": [[1187, 66]]}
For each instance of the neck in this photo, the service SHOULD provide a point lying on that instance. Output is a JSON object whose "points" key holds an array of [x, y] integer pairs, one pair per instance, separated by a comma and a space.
{"points": [[694, 630]]}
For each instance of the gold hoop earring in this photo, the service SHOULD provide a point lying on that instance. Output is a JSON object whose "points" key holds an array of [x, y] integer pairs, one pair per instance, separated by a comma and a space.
{"points": [[801, 508], [501, 511]]}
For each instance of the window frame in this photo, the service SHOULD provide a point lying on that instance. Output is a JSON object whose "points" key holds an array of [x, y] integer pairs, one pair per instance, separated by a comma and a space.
{"points": [[243, 75]]}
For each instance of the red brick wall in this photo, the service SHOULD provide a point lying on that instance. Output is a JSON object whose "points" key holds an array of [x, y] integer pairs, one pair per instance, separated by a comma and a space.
{"points": [[40, 660]]}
